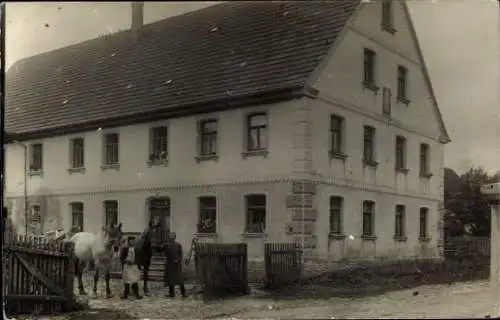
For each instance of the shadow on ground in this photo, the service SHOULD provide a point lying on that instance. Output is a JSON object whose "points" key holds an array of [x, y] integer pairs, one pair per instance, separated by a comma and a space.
{"points": [[370, 281]]}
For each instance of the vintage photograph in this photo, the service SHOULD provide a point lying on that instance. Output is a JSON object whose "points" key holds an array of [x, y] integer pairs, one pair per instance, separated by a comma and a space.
{"points": [[251, 159]]}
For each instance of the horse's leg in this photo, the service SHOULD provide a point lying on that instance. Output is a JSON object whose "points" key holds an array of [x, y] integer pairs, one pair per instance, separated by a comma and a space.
{"points": [[107, 277], [145, 275], [96, 278], [79, 266]]}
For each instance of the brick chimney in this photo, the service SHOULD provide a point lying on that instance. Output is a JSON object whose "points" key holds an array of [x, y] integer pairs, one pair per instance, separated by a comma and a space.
{"points": [[137, 15]]}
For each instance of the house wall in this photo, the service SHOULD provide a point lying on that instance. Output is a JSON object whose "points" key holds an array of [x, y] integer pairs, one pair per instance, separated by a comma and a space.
{"points": [[134, 181], [341, 92]]}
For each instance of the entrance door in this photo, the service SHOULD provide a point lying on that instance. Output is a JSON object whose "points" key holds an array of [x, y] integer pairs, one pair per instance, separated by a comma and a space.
{"points": [[159, 208]]}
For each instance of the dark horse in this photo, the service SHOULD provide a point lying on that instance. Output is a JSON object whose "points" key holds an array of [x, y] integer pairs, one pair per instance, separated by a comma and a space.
{"points": [[145, 251]]}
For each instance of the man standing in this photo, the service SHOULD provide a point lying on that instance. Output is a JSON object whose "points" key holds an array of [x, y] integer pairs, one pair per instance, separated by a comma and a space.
{"points": [[130, 272], [173, 267]]}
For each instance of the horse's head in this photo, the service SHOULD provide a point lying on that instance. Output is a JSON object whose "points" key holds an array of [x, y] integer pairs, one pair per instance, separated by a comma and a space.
{"points": [[113, 236]]}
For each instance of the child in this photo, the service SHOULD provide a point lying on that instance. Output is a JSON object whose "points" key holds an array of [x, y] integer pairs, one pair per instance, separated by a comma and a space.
{"points": [[131, 273]]}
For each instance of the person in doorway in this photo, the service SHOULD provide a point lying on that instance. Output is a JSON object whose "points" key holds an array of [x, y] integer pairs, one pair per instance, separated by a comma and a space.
{"points": [[131, 273], [173, 266]]}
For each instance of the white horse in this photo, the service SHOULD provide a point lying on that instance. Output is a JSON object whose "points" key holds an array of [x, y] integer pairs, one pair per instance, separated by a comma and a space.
{"points": [[98, 251]]}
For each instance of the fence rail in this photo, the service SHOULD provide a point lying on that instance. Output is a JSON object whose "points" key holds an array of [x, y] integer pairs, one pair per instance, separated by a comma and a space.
{"points": [[460, 247], [38, 275], [282, 264]]}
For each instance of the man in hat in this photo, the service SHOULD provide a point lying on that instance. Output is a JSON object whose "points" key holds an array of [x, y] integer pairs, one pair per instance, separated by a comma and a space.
{"points": [[173, 266], [131, 273]]}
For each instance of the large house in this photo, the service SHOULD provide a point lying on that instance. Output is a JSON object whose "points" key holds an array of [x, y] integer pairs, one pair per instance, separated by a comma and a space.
{"points": [[241, 122]]}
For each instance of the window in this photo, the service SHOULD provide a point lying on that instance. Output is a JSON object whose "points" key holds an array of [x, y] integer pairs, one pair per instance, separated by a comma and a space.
{"points": [[36, 158], [387, 21], [369, 145], [76, 153], [35, 213], [369, 67], [77, 215], [257, 132], [110, 212], [368, 218], [208, 137], [158, 144], [402, 83], [424, 213], [400, 152], [256, 213], [336, 132], [208, 215], [111, 142], [399, 228], [424, 159], [336, 204]]}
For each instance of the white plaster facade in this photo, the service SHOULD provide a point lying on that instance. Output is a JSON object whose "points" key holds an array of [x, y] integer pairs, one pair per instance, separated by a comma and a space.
{"points": [[298, 145]]}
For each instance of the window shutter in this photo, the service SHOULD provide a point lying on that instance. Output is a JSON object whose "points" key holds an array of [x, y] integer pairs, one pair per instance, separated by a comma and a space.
{"points": [[198, 137]]}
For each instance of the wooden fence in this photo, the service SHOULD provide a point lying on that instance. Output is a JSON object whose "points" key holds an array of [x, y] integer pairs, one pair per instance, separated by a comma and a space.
{"points": [[282, 264], [467, 247], [38, 276], [221, 269]]}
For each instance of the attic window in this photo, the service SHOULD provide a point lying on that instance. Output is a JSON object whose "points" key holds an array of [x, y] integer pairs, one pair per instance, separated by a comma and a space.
{"points": [[387, 16]]}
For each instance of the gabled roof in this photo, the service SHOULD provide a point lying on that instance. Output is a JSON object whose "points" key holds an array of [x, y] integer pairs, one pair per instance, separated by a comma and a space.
{"points": [[220, 54]]}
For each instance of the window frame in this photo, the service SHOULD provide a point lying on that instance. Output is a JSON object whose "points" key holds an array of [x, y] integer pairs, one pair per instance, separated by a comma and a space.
{"points": [[336, 210], [423, 228], [337, 138], [36, 213], [387, 17], [263, 145], [108, 210], [424, 160], [111, 145], [400, 161], [371, 214], [36, 157], [158, 144], [211, 134], [77, 150], [402, 78], [212, 209], [400, 217], [369, 142], [80, 213], [369, 69], [249, 228]]}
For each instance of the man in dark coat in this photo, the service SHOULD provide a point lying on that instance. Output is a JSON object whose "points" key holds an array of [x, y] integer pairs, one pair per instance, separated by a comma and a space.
{"points": [[173, 266]]}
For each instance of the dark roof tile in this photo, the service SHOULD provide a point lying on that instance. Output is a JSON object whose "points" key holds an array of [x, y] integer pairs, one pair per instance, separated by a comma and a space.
{"points": [[228, 50]]}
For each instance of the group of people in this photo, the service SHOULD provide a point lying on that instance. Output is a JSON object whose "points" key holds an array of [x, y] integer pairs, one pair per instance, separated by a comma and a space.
{"points": [[134, 261]]}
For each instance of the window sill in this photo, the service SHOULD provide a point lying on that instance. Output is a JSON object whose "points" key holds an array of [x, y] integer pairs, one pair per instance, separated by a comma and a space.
{"points": [[337, 155], [336, 236], [255, 153], [206, 235], [388, 28], [207, 157], [403, 100], [400, 238], [76, 170], [370, 163], [115, 166], [366, 237], [248, 235], [427, 175], [402, 170], [371, 86], [424, 239], [32, 173], [151, 163]]}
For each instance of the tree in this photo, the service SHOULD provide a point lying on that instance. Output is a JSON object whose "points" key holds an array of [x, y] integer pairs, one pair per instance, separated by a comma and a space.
{"points": [[467, 211]]}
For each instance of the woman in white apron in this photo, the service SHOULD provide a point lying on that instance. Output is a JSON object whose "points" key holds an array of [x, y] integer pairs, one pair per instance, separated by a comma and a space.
{"points": [[131, 274]]}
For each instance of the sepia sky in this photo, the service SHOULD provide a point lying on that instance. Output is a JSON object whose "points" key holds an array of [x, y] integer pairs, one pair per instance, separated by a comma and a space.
{"points": [[460, 40]]}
